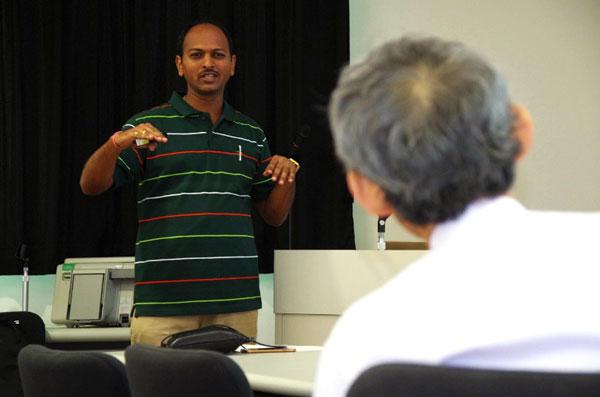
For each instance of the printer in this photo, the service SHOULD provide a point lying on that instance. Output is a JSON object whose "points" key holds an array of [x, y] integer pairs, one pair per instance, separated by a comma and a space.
{"points": [[94, 291]]}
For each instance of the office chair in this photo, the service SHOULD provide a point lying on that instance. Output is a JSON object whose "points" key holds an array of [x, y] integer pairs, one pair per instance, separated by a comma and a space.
{"points": [[47, 372], [163, 372], [29, 324], [17, 330], [408, 380]]}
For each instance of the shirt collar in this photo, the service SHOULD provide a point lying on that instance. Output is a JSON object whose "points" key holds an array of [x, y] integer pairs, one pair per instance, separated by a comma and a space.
{"points": [[181, 105], [229, 112], [478, 217], [186, 110]]}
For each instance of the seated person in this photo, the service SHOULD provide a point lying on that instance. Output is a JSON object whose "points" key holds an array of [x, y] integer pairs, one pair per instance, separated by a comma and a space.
{"points": [[427, 132]]}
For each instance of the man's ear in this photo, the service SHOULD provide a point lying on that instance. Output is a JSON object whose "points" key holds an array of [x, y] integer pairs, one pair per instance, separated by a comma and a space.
{"points": [[233, 61], [368, 194], [178, 62], [522, 129]]}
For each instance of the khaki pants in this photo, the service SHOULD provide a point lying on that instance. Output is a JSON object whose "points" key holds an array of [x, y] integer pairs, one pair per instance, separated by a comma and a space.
{"points": [[152, 330]]}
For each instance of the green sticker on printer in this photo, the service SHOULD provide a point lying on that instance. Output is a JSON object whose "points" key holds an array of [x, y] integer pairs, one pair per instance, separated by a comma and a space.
{"points": [[68, 267]]}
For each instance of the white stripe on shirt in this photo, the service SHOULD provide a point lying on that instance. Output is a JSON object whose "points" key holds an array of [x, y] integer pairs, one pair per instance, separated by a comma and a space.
{"points": [[198, 257], [194, 194]]}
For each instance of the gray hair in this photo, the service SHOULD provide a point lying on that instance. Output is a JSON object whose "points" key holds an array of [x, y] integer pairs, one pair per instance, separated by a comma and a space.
{"points": [[430, 122]]}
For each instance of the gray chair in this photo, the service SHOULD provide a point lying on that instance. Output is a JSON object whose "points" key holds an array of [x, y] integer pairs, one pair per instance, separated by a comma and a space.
{"points": [[408, 380], [163, 372], [46, 373]]}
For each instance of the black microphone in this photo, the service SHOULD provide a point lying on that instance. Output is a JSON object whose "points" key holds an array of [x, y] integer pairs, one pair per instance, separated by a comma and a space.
{"points": [[381, 224], [296, 145], [21, 253], [299, 138], [381, 231]]}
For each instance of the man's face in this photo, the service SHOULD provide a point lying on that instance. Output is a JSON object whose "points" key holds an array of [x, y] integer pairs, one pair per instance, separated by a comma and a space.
{"points": [[206, 62]]}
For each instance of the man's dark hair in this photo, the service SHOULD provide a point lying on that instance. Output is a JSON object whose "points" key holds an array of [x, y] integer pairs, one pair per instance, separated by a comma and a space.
{"points": [[428, 121], [185, 31]]}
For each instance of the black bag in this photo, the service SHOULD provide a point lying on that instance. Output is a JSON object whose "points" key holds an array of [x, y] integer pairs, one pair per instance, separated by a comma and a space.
{"points": [[217, 337], [17, 329]]}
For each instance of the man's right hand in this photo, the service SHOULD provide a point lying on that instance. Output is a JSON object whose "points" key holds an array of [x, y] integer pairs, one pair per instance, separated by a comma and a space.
{"points": [[145, 133], [97, 174]]}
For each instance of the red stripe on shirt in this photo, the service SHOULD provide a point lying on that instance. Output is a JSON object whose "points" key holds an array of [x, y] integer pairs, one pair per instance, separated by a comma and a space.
{"points": [[139, 158], [195, 280], [202, 152], [156, 218]]}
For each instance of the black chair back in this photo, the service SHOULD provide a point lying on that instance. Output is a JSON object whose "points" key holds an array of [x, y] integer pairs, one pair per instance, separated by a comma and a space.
{"points": [[162, 372], [17, 330], [47, 372], [404, 380]]}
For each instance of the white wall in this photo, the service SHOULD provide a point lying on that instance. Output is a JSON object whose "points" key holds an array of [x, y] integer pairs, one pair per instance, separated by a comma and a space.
{"points": [[549, 51]]}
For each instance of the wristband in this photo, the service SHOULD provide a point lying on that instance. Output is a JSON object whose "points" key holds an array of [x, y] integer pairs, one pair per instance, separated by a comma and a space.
{"points": [[114, 142], [295, 162]]}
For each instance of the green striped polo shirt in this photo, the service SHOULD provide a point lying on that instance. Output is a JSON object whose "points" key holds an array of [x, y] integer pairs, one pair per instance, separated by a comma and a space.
{"points": [[195, 251]]}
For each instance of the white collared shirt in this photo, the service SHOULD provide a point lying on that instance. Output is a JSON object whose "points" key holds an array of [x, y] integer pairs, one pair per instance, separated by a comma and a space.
{"points": [[501, 287]]}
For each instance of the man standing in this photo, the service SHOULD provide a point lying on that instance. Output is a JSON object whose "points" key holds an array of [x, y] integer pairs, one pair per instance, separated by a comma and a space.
{"points": [[426, 131], [200, 167]]}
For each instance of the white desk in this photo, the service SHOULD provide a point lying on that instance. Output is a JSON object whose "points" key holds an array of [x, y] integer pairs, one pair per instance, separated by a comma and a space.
{"points": [[278, 373], [312, 288]]}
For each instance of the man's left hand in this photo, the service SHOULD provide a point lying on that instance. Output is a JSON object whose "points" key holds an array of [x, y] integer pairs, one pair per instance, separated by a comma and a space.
{"points": [[281, 169]]}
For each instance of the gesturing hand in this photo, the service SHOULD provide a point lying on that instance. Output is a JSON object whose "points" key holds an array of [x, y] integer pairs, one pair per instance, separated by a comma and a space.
{"points": [[281, 169], [146, 135]]}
